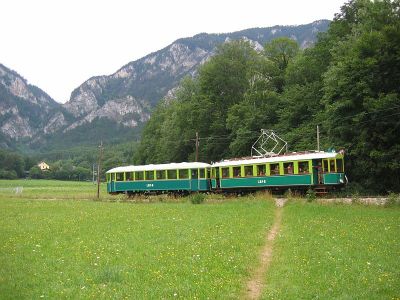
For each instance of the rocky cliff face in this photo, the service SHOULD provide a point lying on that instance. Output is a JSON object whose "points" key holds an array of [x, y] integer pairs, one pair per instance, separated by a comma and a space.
{"points": [[24, 109], [126, 97]]}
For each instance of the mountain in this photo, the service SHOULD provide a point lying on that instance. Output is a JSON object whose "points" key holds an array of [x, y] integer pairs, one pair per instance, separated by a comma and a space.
{"points": [[115, 107], [25, 110], [155, 76]]}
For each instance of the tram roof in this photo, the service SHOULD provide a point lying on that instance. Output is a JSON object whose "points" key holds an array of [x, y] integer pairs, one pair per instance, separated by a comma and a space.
{"points": [[286, 157], [151, 167]]}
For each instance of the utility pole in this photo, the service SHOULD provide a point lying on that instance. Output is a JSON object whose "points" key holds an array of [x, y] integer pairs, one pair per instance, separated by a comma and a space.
{"points": [[197, 146], [98, 168], [318, 138]]}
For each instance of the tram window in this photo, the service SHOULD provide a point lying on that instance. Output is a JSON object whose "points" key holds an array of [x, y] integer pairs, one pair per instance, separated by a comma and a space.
{"points": [[260, 170], [248, 171], [202, 173], [339, 165], [225, 172], [195, 174], [332, 166], [274, 169], [288, 168], [120, 177], [171, 174], [208, 173], [113, 177], [325, 166], [236, 171], [129, 176], [183, 174], [139, 175], [304, 167], [149, 175], [160, 174]]}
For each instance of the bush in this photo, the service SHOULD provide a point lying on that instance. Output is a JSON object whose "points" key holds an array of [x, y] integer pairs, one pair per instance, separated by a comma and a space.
{"points": [[311, 195], [197, 198], [7, 174]]}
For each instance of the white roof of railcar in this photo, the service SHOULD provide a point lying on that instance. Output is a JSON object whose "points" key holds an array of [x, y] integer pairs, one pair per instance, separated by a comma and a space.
{"points": [[171, 166], [287, 157]]}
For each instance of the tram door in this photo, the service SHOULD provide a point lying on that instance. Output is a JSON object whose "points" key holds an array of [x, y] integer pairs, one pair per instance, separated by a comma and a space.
{"points": [[317, 171], [112, 183], [194, 180], [217, 183]]}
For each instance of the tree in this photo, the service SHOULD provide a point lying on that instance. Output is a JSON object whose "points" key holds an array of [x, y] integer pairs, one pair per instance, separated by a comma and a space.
{"points": [[35, 173], [281, 51], [362, 93]]}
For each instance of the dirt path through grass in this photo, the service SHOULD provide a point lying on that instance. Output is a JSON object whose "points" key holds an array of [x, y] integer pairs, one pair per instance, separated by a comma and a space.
{"points": [[256, 283]]}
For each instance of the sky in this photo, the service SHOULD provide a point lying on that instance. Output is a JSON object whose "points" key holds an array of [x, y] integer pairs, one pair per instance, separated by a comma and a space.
{"points": [[59, 44]]}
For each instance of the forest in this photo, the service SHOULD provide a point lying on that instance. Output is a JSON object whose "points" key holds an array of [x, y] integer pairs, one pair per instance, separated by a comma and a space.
{"points": [[348, 84]]}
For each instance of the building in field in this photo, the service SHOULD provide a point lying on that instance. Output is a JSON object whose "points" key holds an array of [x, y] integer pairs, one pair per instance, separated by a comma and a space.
{"points": [[43, 166]]}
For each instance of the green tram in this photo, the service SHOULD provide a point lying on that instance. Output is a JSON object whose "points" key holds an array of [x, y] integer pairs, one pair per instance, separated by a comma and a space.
{"points": [[293, 170], [297, 171], [174, 177]]}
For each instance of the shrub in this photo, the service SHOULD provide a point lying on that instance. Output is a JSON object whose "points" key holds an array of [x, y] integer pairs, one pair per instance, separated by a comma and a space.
{"points": [[8, 174], [197, 198], [311, 195]]}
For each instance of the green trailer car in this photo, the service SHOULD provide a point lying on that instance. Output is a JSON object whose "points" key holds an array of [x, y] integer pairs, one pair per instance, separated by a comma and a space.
{"points": [[174, 178]]}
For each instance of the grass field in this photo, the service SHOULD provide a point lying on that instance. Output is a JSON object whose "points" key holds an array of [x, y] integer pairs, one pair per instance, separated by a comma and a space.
{"points": [[56, 242], [87, 249], [51, 189], [336, 252]]}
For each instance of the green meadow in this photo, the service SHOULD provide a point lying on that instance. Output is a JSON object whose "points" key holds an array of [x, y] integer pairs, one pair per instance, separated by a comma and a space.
{"points": [[336, 251], [58, 241]]}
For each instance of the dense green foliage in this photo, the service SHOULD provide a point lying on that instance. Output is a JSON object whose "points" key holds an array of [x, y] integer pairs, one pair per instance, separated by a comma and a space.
{"points": [[348, 83]]}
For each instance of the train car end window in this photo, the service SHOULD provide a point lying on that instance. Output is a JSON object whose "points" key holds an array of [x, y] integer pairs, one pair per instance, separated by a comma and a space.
{"points": [[332, 166], [325, 166], [120, 177], [339, 165]]}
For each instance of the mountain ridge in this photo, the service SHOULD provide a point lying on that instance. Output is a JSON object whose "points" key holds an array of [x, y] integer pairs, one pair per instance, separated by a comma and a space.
{"points": [[126, 97]]}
